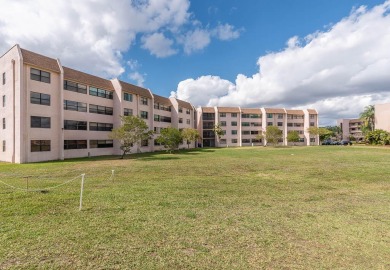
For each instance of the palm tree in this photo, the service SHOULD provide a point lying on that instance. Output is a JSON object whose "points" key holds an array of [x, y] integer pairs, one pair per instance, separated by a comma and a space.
{"points": [[368, 116]]}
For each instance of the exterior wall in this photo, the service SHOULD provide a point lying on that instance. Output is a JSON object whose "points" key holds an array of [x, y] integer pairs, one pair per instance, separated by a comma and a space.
{"points": [[232, 140], [53, 111], [10, 64], [382, 116]]}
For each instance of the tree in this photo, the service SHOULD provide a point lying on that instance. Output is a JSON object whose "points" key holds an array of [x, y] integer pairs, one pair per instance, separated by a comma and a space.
{"points": [[368, 117], [293, 136], [190, 135], [336, 131], [260, 136], [324, 133], [170, 138], [132, 131], [378, 136], [313, 132], [273, 134], [218, 131]]}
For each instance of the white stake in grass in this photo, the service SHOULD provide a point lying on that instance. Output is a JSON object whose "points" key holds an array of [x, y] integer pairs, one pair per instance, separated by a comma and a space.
{"points": [[81, 191]]}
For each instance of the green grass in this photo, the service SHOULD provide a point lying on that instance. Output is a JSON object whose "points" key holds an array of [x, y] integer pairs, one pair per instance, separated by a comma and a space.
{"points": [[234, 208]]}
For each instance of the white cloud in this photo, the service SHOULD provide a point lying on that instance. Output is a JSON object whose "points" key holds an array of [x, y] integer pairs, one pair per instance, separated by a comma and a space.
{"points": [[138, 78], [196, 40], [92, 35], [158, 45], [338, 71], [204, 89], [226, 32]]}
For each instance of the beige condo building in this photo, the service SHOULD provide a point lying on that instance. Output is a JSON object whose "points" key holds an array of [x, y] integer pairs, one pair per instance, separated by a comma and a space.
{"points": [[242, 126], [53, 112], [351, 128]]}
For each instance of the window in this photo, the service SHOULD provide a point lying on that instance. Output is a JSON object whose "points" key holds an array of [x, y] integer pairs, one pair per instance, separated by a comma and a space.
{"points": [[245, 124], [254, 132], [312, 139], [101, 143], [188, 111], [312, 124], [269, 123], [93, 126], [100, 109], [234, 124], [75, 87], [144, 115], [222, 114], [40, 145], [160, 118], [156, 143], [246, 140], [97, 92], [144, 143], [144, 101], [245, 115], [39, 75], [234, 140], [312, 116], [180, 120], [156, 130], [255, 124], [298, 124], [180, 109], [39, 98], [75, 106], [188, 122], [280, 116], [223, 123], [75, 125], [159, 106], [289, 124], [234, 132], [3, 123], [75, 144], [280, 124], [3, 80], [3, 146], [301, 139], [234, 114], [127, 112], [40, 122], [128, 97], [270, 115], [245, 132], [3, 100], [222, 141]]}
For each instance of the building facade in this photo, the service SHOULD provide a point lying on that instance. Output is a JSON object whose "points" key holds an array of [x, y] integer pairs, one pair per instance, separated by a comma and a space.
{"points": [[382, 116], [242, 126], [351, 129], [53, 112]]}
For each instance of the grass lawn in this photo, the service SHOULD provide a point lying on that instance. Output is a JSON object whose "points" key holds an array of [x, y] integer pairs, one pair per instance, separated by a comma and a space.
{"points": [[234, 208]]}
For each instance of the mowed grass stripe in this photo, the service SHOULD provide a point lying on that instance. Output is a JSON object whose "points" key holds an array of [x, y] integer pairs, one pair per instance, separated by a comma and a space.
{"points": [[231, 208]]}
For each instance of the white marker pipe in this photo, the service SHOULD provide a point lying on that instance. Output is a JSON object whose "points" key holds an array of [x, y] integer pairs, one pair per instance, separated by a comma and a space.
{"points": [[81, 191]]}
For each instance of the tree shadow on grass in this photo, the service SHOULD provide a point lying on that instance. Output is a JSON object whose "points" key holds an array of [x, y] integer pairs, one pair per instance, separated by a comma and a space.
{"points": [[164, 155]]}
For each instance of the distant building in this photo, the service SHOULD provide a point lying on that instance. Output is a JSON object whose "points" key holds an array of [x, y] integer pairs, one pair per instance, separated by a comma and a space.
{"points": [[351, 128], [382, 116], [242, 126]]}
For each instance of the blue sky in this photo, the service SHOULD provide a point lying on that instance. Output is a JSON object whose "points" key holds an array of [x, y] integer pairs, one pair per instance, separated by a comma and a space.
{"points": [[331, 55], [266, 26]]}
